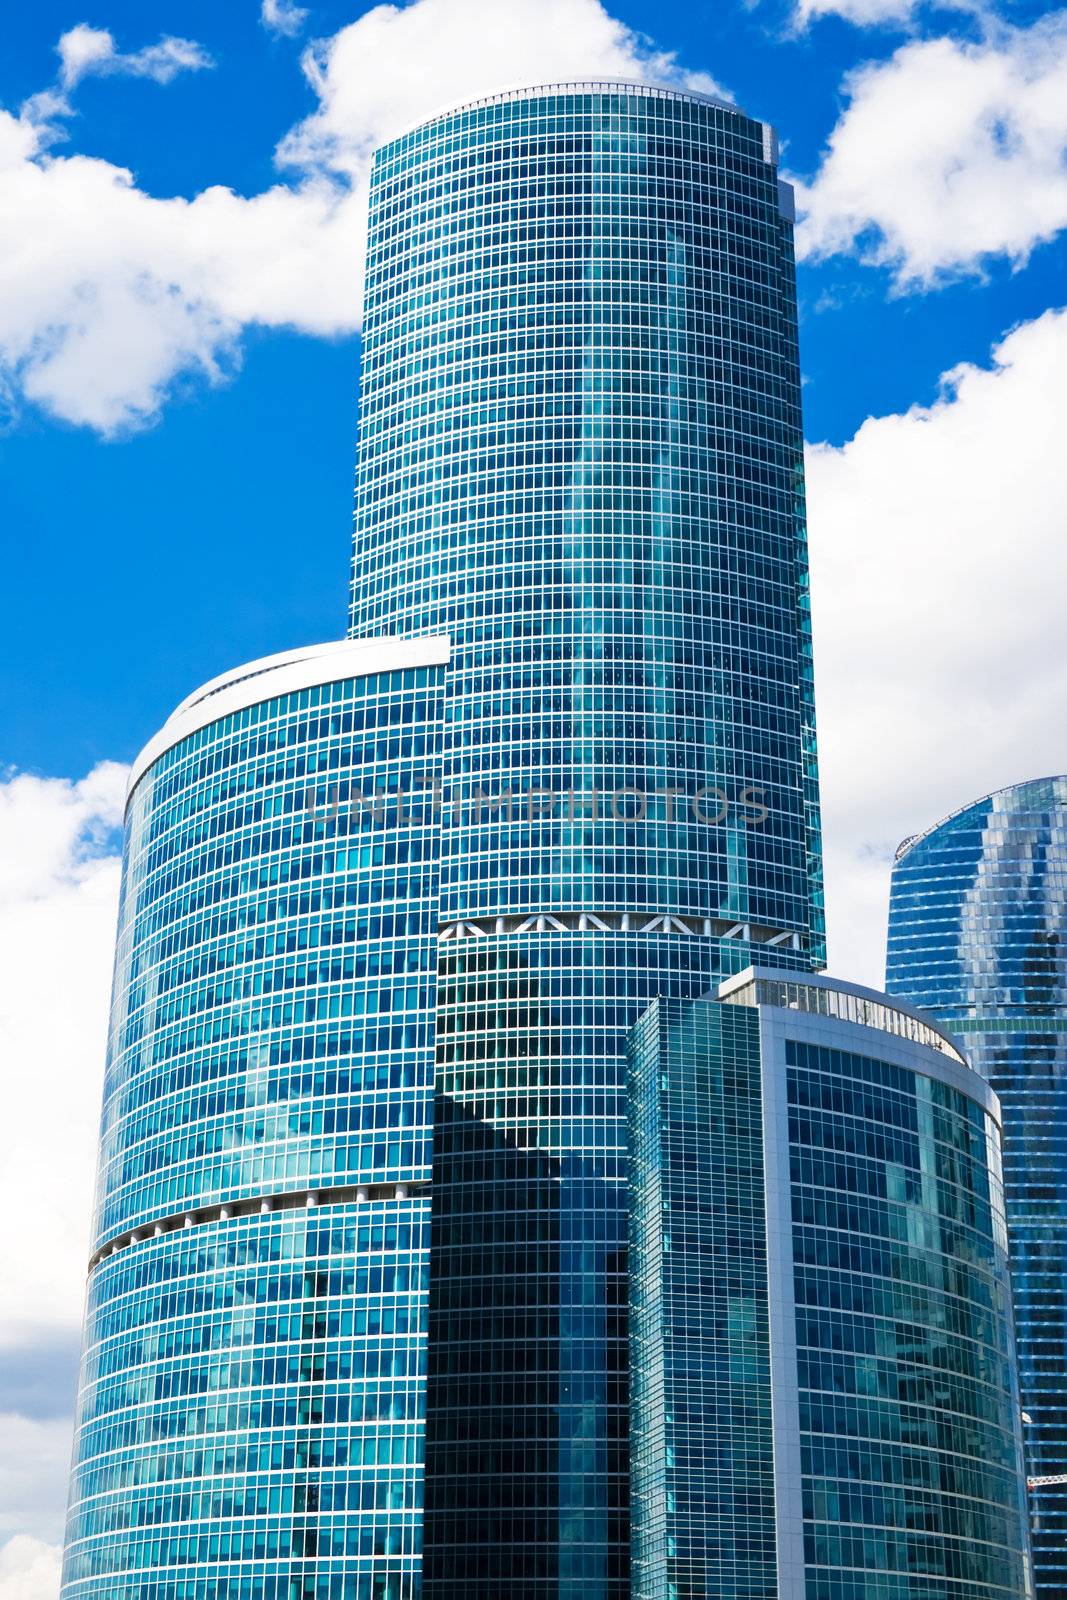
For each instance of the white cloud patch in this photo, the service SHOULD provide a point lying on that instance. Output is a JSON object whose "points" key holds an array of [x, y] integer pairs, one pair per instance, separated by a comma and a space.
{"points": [[947, 155], [34, 1468], [29, 1569], [86, 52], [874, 13], [59, 878], [282, 17], [939, 566], [398, 64], [59, 874], [108, 294]]}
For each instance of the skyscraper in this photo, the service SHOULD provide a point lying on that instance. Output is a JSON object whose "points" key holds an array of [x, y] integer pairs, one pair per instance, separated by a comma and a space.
{"points": [[251, 1412], [977, 927], [581, 458], [824, 1399]]}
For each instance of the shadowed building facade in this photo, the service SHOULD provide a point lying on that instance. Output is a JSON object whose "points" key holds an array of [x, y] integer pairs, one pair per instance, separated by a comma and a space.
{"points": [[978, 937]]}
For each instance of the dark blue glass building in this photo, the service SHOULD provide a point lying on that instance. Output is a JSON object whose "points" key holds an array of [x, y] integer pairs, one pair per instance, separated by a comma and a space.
{"points": [[581, 458], [978, 936], [824, 1391]]}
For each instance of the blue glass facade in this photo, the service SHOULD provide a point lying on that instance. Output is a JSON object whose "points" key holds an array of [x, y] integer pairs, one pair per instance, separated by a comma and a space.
{"points": [[252, 1407], [825, 1396], [977, 936], [702, 1461], [581, 457]]}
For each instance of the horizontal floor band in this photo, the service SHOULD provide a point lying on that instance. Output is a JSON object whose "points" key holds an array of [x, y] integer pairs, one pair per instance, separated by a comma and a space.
{"points": [[259, 1205], [1003, 1024]]}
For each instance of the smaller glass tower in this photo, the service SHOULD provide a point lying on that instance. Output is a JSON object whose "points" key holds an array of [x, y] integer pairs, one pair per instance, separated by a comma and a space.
{"points": [[824, 1396], [978, 936], [251, 1414]]}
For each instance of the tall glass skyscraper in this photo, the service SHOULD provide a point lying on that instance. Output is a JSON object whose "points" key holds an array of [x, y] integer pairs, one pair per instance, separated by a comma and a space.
{"points": [[581, 458], [978, 936]]}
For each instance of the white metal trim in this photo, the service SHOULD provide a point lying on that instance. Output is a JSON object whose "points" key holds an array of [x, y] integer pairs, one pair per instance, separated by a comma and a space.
{"points": [[285, 673], [662, 922]]}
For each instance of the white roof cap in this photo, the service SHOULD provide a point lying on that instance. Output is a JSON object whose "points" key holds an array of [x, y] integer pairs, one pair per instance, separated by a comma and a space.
{"points": [[285, 673]]}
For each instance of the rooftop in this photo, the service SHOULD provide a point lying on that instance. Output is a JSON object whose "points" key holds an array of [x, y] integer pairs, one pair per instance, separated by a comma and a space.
{"points": [[531, 91], [286, 673], [831, 997], [913, 839]]}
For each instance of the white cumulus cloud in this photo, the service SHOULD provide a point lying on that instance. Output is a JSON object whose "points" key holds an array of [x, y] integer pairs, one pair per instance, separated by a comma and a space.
{"points": [[946, 155], [91, 52], [59, 875], [59, 878], [398, 64], [108, 294], [29, 1569], [939, 566], [874, 13], [281, 16]]}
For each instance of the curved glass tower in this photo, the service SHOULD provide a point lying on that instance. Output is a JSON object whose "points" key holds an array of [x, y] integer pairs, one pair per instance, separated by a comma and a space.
{"points": [[978, 936], [581, 457], [251, 1412]]}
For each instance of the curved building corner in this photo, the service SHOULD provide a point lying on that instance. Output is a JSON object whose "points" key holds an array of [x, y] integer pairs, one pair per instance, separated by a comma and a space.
{"points": [[251, 1407], [824, 1393], [978, 937]]}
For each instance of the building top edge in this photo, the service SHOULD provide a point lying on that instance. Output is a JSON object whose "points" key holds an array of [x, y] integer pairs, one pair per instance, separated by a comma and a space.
{"points": [[530, 91], [908, 844], [285, 672], [751, 976]]}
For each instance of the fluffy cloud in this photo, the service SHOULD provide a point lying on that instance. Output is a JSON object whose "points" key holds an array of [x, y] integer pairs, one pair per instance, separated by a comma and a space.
{"points": [[873, 13], [108, 294], [29, 1570], [939, 565], [397, 64], [34, 1467], [281, 16], [59, 874], [947, 154], [90, 52], [58, 892]]}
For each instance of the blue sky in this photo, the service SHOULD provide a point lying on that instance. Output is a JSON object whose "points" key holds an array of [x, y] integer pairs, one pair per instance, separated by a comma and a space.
{"points": [[139, 565], [178, 386]]}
